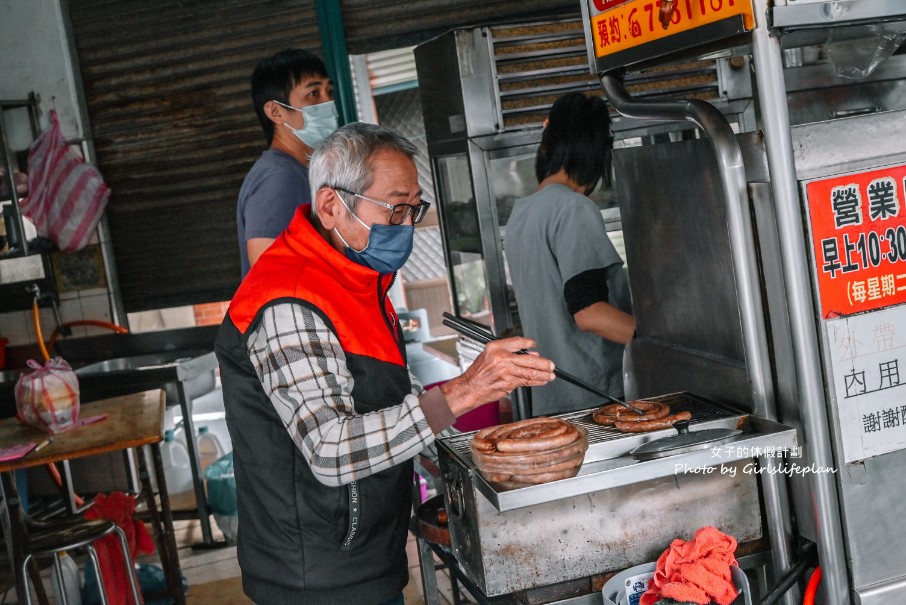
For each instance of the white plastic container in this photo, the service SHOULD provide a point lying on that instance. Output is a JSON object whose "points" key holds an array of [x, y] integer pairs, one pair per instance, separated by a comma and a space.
{"points": [[175, 458], [209, 448], [71, 581]]}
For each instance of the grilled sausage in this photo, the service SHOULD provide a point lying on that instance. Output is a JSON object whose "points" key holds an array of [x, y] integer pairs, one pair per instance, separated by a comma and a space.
{"points": [[485, 440], [652, 425], [530, 451], [529, 462], [549, 436], [609, 414], [522, 480]]}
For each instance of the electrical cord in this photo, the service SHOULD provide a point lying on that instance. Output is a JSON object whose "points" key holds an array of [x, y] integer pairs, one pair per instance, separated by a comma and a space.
{"points": [[808, 557], [83, 322], [811, 590]]}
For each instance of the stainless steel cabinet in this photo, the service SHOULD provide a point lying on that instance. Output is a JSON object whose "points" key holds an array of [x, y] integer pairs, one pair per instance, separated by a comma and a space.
{"points": [[476, 190]]}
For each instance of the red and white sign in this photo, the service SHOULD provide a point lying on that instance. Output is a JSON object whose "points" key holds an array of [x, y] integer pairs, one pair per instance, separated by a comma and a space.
{"points": [[603, 5], [859, 239]]}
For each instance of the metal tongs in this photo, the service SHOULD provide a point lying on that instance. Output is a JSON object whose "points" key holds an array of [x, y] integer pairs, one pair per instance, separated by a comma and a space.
{"points": [[477, 332]]}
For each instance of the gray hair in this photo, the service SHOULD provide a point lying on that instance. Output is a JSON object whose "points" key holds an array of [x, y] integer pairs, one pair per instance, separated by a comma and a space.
{"points": [[342, 160]]}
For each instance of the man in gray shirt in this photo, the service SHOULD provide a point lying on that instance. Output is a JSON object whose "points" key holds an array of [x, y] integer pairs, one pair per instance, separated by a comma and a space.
{"points": [[570, 285], [293, 97]]}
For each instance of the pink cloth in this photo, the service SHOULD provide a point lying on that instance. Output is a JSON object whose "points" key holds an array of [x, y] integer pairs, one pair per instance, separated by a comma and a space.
{"points": [[697, 571]]}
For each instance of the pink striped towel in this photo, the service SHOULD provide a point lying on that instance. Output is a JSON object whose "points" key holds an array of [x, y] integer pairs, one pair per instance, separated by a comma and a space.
{"points": [[66, 196]]}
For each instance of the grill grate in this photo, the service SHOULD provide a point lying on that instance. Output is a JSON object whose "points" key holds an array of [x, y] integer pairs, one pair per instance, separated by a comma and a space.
{"points": [[702, 410]]}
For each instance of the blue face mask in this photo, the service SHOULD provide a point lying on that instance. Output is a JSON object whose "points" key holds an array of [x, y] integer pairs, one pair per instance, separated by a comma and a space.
{"points": [[319, 122], [388, 246]]}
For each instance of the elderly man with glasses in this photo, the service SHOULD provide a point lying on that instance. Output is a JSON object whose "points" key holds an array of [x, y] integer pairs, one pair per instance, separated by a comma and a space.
{"points": [[324, 415]]}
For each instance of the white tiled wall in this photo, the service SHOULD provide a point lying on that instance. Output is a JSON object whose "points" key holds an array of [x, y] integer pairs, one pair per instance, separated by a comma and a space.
{"points": [[18, 326], [162, 319]]}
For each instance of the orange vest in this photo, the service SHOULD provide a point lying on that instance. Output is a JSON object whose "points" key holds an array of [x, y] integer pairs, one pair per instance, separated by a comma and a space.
{"points": [[298, 532], [352, 299]]}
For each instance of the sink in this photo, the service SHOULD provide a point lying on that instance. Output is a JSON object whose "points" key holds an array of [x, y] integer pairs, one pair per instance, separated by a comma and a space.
{"points": [[170, 370], [150, 361], [108, 365], [117, 364], [93, 349]]}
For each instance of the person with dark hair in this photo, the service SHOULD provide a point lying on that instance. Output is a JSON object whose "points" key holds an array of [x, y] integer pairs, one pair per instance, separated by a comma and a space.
{"points": [[293, 97], [324, 415], [570, 285]]}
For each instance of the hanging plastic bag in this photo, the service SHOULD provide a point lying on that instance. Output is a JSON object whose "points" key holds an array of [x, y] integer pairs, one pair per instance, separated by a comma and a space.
{"points": [[221, 484], [857, 58], [48, 398], [66, 196]]}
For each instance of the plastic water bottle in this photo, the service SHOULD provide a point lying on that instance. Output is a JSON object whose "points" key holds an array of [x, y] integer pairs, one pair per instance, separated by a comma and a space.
{"points": [[71, 581], [209, 448], [178, 473]]}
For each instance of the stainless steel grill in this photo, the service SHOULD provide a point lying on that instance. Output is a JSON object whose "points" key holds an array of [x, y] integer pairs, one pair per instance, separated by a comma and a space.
{"points": [[617, 512], [701, 410], [601, 439]]}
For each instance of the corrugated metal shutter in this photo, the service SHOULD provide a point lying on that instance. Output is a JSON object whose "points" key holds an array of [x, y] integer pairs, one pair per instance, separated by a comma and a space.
{"points": [[392, 70], [401, 111], [167, 87], [166, 83], [374, 25]]}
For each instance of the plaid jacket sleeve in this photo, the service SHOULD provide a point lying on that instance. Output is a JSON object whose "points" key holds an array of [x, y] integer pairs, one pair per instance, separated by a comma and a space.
{"points": [[302, 368]]}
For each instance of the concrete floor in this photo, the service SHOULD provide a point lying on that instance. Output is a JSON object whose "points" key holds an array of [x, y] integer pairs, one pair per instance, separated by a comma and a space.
{"points": [[214, 578], [203, 567], [220, 566]]}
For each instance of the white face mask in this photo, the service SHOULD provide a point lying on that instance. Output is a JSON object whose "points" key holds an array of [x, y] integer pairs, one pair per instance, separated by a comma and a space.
{"points": [[319, 122]]}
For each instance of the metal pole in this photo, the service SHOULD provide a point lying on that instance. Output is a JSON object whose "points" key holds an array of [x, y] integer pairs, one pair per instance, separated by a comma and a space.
{"points": [[751, 310], [333, 39], [779, 147], [201, 500], [114, 293]]}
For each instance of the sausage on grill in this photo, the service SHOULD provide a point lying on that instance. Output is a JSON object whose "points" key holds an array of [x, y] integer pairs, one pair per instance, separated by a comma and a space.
{"points": [[531, 435], [652, 425], [612, 413]]}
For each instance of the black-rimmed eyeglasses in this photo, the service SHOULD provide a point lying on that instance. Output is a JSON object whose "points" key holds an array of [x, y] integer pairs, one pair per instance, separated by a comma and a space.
{"points": [[398, 212]]}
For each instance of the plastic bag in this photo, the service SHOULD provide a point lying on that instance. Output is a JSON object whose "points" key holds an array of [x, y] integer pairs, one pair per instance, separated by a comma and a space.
{"points": [[48, 398], [857, 58], [67, 196], [221, 484]]}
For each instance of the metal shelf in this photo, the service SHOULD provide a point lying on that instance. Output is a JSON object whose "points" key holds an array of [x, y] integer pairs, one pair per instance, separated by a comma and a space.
{"points": [[31, 105], [830, 14]]}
